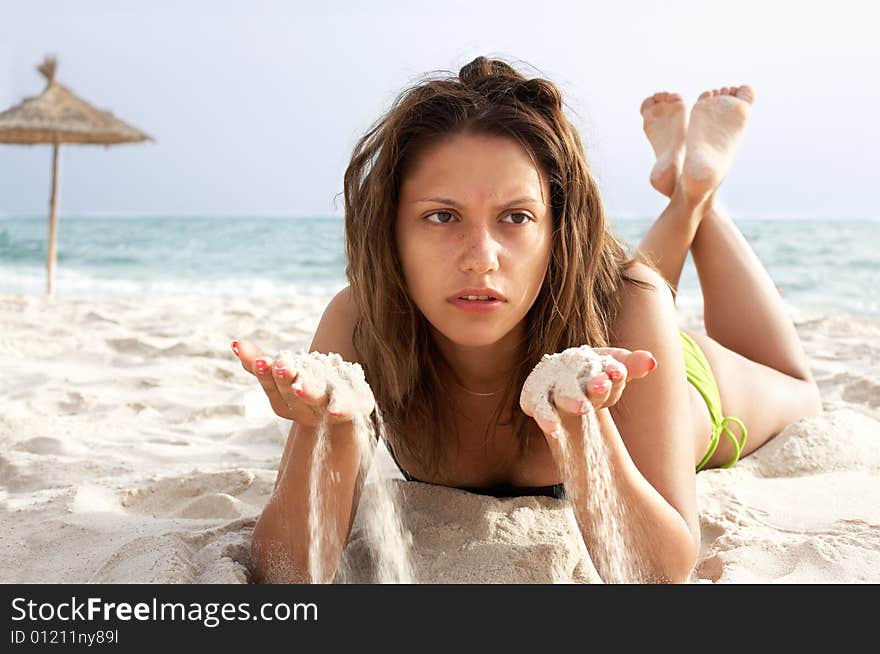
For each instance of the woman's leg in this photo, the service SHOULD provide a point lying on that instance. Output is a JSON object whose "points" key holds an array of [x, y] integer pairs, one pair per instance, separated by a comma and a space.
{"points": [[752, 346], [668, 240], [670, 237], [742, 308]]}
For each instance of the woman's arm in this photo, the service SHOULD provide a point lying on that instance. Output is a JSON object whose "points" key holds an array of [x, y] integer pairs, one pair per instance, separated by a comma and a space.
{"points": [[653, 417], [648, 434], [658, 537], [281, 539]]}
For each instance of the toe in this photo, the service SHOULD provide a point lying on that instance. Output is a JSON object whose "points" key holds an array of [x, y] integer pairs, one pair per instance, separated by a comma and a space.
{"points": [[745, 92], [647, 104], [704, 95]]}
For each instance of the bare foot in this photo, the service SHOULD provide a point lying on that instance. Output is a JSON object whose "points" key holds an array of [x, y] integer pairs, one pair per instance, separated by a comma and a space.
{"points": [[665, 116], [716, 124]]}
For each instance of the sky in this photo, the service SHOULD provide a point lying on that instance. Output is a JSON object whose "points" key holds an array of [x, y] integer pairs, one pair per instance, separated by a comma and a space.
{"points": [[255, 107]]}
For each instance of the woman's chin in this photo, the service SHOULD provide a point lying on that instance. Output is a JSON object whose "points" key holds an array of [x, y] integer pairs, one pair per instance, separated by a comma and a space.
{"points": [[482, 333], [474, 338]]}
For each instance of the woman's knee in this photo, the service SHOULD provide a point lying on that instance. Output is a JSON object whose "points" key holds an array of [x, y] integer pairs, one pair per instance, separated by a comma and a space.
{"points": [[811, 398]]}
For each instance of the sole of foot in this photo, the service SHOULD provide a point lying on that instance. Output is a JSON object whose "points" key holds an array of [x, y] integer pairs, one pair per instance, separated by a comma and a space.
{"points": [[716, 124], [665, 123]]}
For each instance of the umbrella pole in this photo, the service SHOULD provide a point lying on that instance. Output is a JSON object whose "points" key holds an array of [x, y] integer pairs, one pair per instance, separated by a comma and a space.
{"points": [[53, 222]]}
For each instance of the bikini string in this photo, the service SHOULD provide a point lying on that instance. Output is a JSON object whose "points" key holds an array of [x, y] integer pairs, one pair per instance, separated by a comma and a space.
{"points": [[738, 444]]}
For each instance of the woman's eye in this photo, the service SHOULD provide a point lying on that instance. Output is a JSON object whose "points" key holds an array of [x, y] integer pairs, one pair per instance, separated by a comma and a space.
{"points": [[439, 213], [525, 218]]}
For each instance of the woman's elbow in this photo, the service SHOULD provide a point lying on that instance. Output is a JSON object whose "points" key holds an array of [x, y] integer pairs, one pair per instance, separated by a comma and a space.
{"points": [[678, 564], [684, 573], [676, 572], [272, 560]]}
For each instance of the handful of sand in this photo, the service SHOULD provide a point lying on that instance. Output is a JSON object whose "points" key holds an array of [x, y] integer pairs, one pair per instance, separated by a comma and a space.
{"points": [[330, 375], [566, 373]]}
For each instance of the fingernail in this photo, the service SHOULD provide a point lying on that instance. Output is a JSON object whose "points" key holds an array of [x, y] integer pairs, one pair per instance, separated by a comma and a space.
{"points": [[235, 347], [601, 387], [652, 363], [260, 366], [280, 372], [298, 389], [613, 373], [336, 413]]}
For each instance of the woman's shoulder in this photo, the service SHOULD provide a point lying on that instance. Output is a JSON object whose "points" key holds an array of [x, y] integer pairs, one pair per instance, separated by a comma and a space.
{"points": [[646, 277], [335, 332], [646, 305]]}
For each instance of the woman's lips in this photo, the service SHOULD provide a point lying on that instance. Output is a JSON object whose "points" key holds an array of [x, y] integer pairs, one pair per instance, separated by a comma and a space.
{"points": [[477, 306]]}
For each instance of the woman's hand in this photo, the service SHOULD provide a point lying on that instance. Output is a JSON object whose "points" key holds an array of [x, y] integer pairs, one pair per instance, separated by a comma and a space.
{"points": [[304, 395], [579, 380]]}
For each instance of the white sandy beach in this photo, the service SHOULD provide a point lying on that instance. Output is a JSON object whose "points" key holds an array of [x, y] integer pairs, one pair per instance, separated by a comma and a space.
{"points": [[133, 448]]}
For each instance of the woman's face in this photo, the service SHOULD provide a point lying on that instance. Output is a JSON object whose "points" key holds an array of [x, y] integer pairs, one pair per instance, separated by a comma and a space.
{"points": [[474, 213]]}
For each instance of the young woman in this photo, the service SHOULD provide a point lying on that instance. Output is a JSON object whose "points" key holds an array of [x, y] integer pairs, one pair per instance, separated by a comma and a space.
{"points": [[475, 187]]}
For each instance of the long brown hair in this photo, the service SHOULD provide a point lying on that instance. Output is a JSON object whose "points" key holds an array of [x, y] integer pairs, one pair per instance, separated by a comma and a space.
{"points": [[578, 301]]}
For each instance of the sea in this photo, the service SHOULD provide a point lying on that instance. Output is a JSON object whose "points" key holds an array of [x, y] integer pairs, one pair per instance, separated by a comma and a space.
{"points": [[822, 264]]}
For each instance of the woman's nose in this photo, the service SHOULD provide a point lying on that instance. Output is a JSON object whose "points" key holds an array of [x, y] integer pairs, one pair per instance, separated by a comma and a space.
{"points": [[479, 250]]}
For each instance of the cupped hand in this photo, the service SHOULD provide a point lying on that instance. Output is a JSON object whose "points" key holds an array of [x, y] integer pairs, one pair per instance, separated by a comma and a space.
{"points": [[298, 395], [575, 382]]}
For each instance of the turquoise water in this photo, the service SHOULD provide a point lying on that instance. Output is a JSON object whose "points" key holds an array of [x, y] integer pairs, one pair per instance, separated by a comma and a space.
{"points": [[831, 264]]}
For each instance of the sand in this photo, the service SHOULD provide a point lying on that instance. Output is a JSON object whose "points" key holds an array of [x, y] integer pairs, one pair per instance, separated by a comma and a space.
{"points": [[567, 373], [133, 448]]}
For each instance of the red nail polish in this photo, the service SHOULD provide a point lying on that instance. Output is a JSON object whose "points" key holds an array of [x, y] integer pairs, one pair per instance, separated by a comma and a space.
{"points": [[298, 389], [235, 347], [260, 366], [613, 374], [281, 373], [652, 363]]}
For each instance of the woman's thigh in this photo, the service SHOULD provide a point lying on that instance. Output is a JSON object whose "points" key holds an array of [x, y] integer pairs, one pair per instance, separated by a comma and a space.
{"points": [[765, 399]]}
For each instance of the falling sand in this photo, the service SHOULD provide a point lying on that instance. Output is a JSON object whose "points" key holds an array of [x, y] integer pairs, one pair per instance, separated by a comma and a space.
{"points": [[568, 373], [345, 384]]}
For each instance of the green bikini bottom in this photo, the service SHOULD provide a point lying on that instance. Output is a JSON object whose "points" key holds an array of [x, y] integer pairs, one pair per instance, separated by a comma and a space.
{"points": [[700, 376]]}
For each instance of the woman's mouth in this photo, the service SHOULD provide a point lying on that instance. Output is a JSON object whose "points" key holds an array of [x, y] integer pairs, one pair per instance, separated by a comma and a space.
{"points": [[476, 303]]}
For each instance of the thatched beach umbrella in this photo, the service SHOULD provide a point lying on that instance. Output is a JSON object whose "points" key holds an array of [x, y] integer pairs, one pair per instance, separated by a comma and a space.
{"points": [[58, 116]]}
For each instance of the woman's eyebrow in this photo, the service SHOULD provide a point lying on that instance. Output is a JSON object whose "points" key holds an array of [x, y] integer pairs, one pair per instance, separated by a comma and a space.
{"points": [[453, 203]]}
